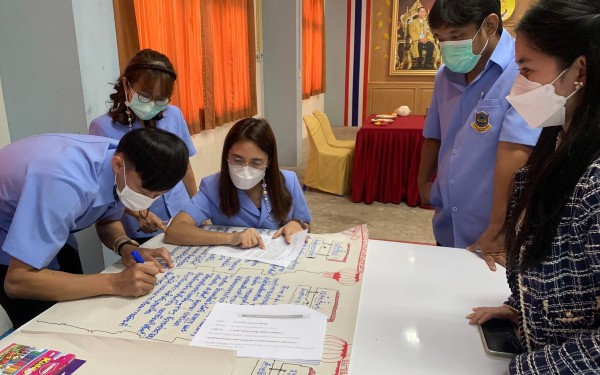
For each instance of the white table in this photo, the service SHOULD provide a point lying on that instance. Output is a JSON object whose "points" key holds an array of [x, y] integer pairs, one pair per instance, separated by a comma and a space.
{"points": [[411, 316]]}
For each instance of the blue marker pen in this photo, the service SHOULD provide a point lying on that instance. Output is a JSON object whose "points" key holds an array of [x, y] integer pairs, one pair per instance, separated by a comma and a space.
{"points": [[137, 257]]}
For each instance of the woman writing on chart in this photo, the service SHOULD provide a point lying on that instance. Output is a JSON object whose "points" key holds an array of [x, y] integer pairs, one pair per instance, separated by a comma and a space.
{"points": [[250, 191], [553, 222], [142, 100]]}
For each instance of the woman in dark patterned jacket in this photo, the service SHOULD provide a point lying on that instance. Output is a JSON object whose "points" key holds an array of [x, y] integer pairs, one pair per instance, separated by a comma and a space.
{"points": [[553, 223]]}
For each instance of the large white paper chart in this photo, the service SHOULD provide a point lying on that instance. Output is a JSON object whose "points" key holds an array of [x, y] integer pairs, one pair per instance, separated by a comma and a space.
{"points": [[326, 277]]}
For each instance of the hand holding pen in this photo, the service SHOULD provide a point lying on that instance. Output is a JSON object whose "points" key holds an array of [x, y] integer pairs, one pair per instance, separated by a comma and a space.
{"points": [[132, 256], [137, 279]]}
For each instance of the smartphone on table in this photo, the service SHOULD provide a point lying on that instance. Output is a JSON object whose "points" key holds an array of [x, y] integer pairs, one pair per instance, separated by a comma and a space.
{"points": [[500, 338]]}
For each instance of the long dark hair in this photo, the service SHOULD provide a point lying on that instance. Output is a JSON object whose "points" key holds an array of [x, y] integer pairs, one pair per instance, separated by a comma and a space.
{"points": [[257, 131], [463, 13], [565, 30], [144, 69]]}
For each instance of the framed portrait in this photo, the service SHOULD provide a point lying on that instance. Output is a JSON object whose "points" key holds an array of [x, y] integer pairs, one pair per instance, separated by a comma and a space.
{"points": [[507, 9], [414, 49]]}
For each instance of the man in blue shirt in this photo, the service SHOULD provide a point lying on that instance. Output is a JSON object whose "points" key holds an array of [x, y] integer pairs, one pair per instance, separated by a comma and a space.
{"points": [[54, 185], [474, 139]]}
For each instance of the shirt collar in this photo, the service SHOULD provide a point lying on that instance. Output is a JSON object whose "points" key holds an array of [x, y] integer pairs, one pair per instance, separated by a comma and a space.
{"points": [[504, 53]]}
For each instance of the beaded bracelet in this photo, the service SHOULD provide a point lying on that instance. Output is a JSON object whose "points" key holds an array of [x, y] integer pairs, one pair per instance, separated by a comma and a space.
{"points": [[128, 241], [117, 240]]}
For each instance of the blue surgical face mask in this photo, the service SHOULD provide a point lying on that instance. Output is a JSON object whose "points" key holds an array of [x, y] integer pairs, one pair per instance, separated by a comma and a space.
{"points": [[145, 111], [458, 55]]}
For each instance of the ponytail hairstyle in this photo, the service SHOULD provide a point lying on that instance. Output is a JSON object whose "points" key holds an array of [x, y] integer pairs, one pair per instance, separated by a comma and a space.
{"points": [[564, 30], [144, 70]]}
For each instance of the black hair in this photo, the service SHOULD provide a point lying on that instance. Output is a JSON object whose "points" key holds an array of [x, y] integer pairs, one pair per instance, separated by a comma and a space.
{"points": [[160, 158], [565, 30], [144, 69], [463, 12], [258, 131]]}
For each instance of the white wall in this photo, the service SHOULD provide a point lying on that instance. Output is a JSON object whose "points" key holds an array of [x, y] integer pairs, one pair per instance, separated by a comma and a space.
{"points": [[335, 57], [282, 79], [39, 67], [97, 52]]}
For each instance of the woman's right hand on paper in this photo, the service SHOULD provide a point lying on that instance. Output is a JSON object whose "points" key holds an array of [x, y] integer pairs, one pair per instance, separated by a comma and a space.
{"points": [[247, 239]]}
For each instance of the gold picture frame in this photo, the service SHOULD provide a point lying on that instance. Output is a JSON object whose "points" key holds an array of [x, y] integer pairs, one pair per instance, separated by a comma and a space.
{"points": [[409, 56]]}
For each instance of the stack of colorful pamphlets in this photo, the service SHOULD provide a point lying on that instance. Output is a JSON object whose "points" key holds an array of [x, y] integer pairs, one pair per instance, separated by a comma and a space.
{"points": [[17, 359]]}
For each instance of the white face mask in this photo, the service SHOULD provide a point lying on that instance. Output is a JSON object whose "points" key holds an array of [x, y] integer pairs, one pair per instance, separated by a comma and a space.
{"points": [[133, 200], [539, 104], [245, 177]]}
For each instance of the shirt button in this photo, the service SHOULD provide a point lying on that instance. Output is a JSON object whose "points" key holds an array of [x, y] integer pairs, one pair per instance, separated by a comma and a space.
{"points": [[524, 288], [451, 180], [454, 151], [454, 209], [569, 314]]}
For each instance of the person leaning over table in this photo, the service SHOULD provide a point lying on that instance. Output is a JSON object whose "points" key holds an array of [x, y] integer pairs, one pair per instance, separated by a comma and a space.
{"points": [[54, 185], [141, 100], [474, 140], [553, 222], [250, 191]]}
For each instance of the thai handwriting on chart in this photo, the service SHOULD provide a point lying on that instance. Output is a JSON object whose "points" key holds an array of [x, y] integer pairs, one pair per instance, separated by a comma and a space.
{"points": [[184, 308]]}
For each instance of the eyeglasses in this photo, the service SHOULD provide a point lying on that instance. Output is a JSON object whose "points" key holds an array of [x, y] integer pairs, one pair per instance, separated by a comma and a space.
{"points": [[239, 162], [145, 97], [158, 100]]}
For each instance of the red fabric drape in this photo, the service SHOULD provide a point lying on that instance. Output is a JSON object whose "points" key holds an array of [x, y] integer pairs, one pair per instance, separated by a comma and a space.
{"points": [[386, 161], [313, 48]]}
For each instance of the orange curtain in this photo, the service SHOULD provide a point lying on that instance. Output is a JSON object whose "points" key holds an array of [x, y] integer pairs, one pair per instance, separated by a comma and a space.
{"points": [[126, 29], [313, 48], [229, 69], [173, 27]]}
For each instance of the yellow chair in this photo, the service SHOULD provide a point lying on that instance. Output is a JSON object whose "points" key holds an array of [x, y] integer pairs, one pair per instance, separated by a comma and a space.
{"points": [[329, 136], [329, 169]]}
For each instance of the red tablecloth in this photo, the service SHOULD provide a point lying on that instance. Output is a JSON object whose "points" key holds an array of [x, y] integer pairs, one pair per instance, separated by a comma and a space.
{"points": [[386, 161]]}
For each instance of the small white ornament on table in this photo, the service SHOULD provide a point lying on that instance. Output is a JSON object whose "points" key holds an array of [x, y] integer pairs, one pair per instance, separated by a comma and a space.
{"points": [[403, 110]]}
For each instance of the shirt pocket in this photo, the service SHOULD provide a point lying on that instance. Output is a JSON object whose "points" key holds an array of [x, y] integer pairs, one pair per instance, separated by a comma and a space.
{"points": [[574, 314], [487, 118]]}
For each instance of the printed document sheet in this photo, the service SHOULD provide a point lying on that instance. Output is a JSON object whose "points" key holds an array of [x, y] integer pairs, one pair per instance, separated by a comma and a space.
{"points": [[283, 332], [276, 251]]}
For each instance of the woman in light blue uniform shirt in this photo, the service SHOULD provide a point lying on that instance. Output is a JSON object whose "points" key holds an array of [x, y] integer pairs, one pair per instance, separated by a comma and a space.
{"points": [[250, 191], [141, 100]]}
